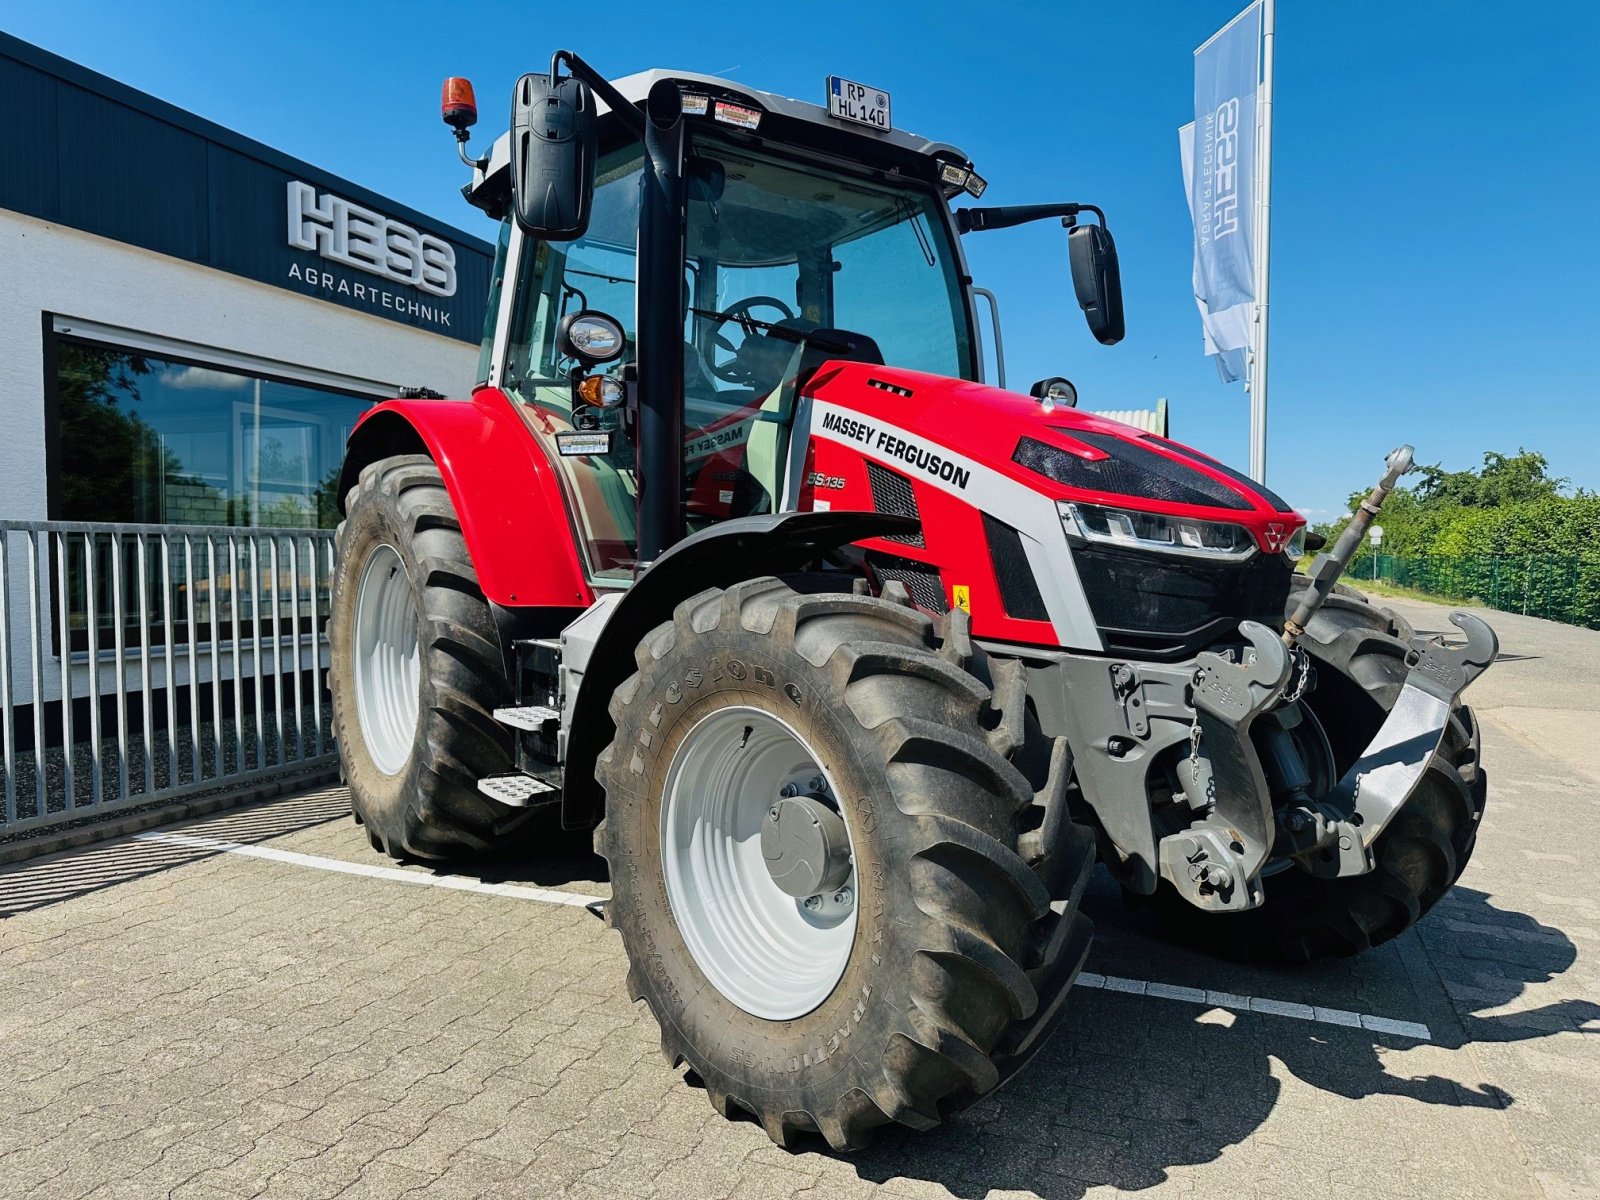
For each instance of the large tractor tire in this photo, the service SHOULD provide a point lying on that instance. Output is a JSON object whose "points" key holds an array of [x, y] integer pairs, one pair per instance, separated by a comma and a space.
{"points": [[933, 958], [1359, 652], [417, 669]]}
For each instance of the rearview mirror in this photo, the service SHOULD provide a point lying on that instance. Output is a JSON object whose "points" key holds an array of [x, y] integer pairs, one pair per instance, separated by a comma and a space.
{"points": [[553, 146], [1097, 281]]}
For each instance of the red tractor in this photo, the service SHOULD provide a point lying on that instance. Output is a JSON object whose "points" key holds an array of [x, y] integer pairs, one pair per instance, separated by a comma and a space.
{"points": [[855, 665]]}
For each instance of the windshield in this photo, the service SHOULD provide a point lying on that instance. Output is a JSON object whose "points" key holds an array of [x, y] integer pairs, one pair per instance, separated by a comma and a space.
{"points": [[833, 249], [771, 242]]}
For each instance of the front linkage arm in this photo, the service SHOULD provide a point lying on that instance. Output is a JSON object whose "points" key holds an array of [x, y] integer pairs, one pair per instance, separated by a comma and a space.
{"points": [[1215, 863]]}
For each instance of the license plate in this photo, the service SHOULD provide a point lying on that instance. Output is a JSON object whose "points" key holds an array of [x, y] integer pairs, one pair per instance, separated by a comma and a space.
{"points": [[850, 101]]}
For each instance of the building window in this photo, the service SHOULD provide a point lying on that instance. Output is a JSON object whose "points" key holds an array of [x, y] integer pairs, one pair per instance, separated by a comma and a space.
{"points": [[159, 441]]}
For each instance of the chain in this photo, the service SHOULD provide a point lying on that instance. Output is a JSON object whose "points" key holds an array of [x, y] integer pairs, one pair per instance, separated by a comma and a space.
{"points": [[1194, 747], [1302, 665]]}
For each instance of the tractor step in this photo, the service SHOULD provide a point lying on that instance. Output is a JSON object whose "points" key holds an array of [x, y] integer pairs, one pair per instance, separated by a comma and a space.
{"points": [[530, 717], [518, 790]]}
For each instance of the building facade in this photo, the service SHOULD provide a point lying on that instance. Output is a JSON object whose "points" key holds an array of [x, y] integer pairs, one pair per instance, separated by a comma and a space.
{"points": [[190, 325], [192, 321]]}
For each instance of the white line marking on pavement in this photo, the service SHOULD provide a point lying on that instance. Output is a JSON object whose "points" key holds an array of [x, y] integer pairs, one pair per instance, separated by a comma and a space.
{"points": [[455, 883], [1087, 979], [1256, 1004]]}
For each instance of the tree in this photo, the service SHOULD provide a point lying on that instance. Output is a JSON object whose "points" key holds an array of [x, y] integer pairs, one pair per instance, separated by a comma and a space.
{"points": [[1514, 479]]}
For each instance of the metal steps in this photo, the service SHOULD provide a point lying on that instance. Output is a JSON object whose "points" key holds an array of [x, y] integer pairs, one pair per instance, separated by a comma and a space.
{"points": [[530, 717], [518, 790]]}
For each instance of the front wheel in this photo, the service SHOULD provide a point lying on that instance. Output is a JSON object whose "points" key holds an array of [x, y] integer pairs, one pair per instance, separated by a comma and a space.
{"points": [[417, 669], [813, 828]]}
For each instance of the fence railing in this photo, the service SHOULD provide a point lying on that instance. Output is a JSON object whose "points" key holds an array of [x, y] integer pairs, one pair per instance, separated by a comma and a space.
{"points": [[144, 662], [1559, 587]]}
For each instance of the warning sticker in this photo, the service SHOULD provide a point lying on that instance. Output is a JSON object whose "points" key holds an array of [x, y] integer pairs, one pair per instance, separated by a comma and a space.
{"points": [[737, 114]]}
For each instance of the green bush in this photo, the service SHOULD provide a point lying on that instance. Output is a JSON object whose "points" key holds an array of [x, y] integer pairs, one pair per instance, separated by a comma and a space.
{"points": [[1504, 537]]}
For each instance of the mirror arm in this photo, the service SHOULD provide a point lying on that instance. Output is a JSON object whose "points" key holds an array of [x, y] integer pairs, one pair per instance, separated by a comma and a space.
{"points": [[615, 100], [972, 220]]}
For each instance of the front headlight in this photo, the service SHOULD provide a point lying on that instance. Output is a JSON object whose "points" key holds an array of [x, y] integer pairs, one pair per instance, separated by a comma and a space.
{"points": [[1296, 549], [1131, 530]]}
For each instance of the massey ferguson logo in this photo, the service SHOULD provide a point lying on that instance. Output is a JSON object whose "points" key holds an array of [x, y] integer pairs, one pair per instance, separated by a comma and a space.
{"points": [[1277, 536], [345, 232]]}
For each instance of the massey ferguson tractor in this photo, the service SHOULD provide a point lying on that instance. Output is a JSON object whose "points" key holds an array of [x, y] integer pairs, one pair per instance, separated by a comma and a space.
{"points": [[855, 665]]}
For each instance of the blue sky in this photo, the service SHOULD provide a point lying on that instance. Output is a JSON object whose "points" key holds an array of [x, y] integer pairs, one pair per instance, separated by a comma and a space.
{"points": [[1436, 253]]}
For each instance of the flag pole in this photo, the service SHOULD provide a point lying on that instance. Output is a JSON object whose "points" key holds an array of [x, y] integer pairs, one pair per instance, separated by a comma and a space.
{"points": [[1258, 374]]}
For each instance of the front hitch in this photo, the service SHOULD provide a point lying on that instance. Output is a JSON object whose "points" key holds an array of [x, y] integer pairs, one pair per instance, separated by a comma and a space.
{"points": [[1214, 863]]}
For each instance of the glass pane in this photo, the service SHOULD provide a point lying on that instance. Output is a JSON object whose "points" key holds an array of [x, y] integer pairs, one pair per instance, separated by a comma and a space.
{"points": [[145, 439], [594, 272], [815, 246], [789, 246], [496, 289]]}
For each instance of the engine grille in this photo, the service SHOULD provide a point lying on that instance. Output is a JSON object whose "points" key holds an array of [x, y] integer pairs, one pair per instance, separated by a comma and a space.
{"points": [[921, 580], [891, 493], [1163, 607], [1131, 470], [1019, 590]]}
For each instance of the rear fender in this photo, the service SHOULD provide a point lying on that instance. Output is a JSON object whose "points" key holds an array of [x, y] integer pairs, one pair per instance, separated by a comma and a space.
{"points": [[506, 494], [718, 556]]}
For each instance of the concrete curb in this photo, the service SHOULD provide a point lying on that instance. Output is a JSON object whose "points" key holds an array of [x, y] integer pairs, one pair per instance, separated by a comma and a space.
{"points": [[178, 810]]}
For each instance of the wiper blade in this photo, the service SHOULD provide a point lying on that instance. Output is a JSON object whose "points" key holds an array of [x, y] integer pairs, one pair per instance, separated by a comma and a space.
{"points": [[825, 339]]}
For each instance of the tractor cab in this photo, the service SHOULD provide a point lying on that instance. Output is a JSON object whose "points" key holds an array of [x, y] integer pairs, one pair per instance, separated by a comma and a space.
{"points": [[806, 236]]}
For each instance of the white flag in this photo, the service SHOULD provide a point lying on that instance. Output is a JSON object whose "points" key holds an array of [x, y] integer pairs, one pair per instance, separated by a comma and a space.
{"points": [[1227, 334]]}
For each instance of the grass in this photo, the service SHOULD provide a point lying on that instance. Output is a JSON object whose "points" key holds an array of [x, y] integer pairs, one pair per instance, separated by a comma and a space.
{"points": [[1382, 587]]}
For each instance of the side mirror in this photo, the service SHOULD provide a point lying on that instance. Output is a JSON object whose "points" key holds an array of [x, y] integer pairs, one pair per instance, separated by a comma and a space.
{"points": [[1097, 281], [554, 142]]}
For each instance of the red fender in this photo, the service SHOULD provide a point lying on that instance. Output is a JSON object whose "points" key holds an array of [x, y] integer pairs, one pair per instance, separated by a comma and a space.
{"points": [[510, 503]]}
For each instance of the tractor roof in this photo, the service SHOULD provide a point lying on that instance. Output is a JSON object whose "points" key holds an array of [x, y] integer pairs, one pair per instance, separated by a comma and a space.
{"points": [[492, 180]]}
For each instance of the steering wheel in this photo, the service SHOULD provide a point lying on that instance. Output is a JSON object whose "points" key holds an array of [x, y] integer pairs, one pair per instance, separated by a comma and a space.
{"points": [[729, 371]]}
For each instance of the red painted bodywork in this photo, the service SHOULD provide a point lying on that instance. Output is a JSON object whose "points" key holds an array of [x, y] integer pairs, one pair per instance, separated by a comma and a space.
{"points": [[509, 501], [514, 515], [985, 424]]}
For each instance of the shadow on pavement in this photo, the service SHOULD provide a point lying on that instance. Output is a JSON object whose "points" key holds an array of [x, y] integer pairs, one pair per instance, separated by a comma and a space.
{"points": [[77, 872], [1130, 1087]]}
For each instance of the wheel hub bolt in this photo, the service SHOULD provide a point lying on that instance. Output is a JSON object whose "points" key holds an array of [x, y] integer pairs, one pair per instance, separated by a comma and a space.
{"points": [[818, 784], [788, 791], [813, 903], [843, 897]]}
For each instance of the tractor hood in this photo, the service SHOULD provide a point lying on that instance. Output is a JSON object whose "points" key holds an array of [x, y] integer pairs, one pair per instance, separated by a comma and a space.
{"points": [[1061, 453], [1050, 525]]}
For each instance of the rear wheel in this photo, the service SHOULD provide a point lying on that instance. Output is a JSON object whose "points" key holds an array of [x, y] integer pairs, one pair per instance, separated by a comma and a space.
{"points": [[417, 669], [816, 837], [1360, 657]]}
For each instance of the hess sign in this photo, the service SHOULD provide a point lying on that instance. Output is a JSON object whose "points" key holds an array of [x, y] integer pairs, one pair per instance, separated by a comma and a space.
{"points": [[850, 101], [355, 236]]}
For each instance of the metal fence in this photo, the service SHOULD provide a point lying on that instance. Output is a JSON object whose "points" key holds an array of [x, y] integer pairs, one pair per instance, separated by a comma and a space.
{"points": [[144, 662], [1559, 587]]}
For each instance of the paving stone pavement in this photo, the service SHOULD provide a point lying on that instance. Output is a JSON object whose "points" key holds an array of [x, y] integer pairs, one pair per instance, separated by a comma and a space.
{"points": [[179, 1021]]}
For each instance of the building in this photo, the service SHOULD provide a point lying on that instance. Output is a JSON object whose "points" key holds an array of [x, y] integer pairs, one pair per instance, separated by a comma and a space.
{"points": [[192, 321]]}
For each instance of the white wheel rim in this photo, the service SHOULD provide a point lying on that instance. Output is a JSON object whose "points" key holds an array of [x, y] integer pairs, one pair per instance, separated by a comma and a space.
{"points": [[387, 667], [760, 947]]}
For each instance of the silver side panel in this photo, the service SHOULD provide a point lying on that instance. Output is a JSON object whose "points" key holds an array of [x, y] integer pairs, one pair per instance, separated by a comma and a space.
{"points": [[577, 644]]}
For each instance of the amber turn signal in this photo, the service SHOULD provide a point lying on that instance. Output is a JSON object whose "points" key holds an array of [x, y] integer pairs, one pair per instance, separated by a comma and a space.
{"points": [[601, 391], [457, 105]]}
